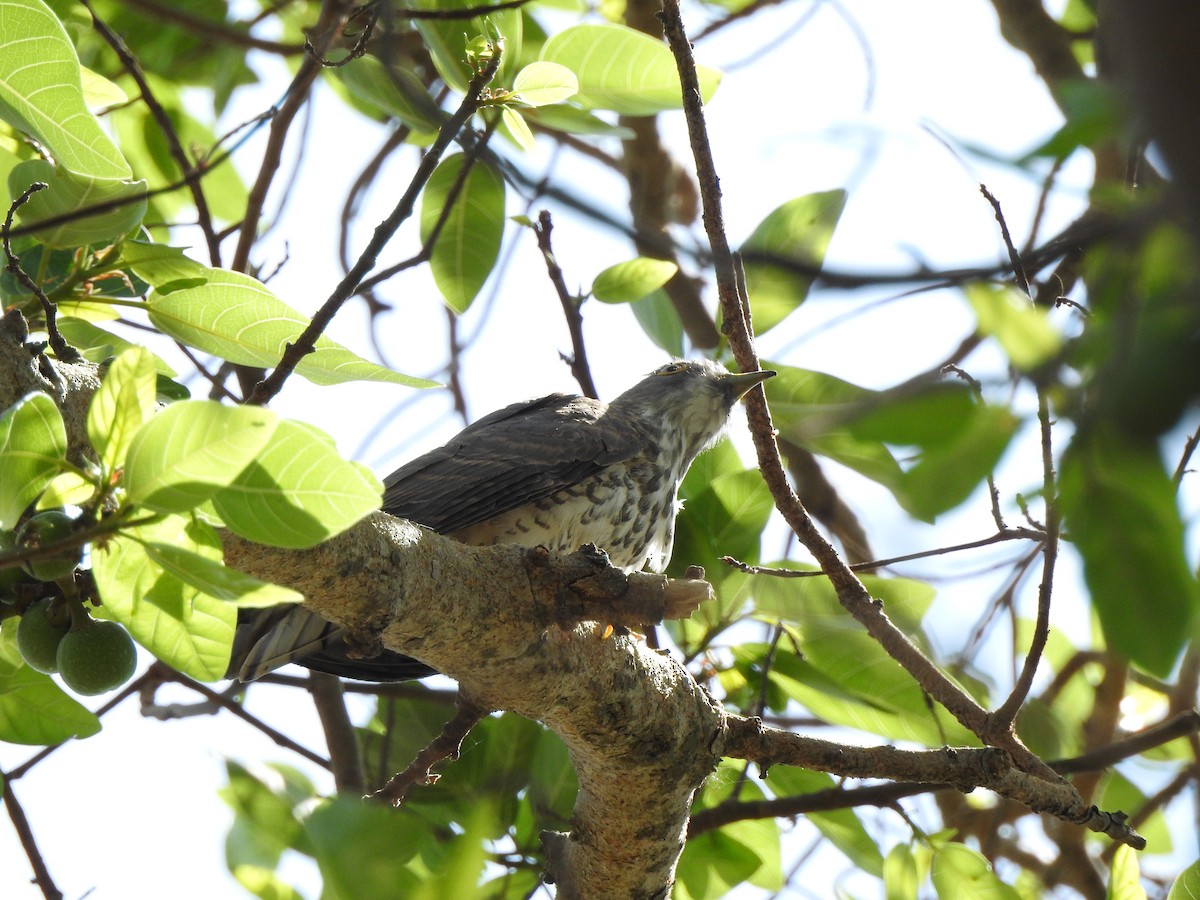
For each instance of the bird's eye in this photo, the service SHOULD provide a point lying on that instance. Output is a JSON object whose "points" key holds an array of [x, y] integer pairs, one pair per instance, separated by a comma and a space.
{"points": [[671, 369]]}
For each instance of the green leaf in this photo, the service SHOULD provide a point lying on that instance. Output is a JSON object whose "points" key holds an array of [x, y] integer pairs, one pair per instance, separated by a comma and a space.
{"points": [[960, 873], [1187, 885], [469, 243], [363, 850], [237, 318], [33, 446], [811, 409], [66, 489], [215, 579], [266, 821], [516, 128], [544, 83], [41, 92], [900, 877], [659, 320], [181, 456], [632, 280], [1125, 876], [35, 710], [1023, 330], [573, 120], [947, 474], [800, 231], [842, 827], [446, 40], [71, 195], [183, 627], [960, 440], [842, 675], [1134, 563], [98, 91], [125, 400], [718, 861], [391, 89], [262, 882], [623, 70], [298, 491], [722, 515], [160, 264], [97, 345]]}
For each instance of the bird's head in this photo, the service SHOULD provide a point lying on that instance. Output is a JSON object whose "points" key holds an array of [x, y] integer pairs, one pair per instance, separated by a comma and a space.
{"points": [[689, 401]]}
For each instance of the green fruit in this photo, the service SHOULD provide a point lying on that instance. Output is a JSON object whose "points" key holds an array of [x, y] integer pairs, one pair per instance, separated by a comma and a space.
{"points": [[49, 527], [96, 658], [39, 634]]}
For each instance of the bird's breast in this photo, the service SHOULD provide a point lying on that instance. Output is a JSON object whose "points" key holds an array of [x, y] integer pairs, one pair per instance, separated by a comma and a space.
{"points": [[627, 509]]}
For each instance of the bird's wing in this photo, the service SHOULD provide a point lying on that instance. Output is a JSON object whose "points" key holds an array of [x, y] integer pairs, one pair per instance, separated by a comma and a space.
{"points": [[512, 457]]}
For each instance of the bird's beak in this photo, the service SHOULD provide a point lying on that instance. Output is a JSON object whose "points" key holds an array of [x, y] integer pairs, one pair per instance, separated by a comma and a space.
{"points": [[739, 384]]}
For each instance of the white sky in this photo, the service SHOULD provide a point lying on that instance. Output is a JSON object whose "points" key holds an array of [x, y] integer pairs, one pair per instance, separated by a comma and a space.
{"points": [[795, 121]]}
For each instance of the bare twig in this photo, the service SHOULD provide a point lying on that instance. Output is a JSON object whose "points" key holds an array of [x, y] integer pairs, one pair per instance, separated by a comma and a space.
{"points": [[345, 753], [1014, 257], [174, 145], [205, 27], [964, 768], [850, 591], [474, 150], [445, 746], [1004, 717], [169, 674], [571, 303], [41, 874], [58, 343], [332, 19], [1011, 534], [306, 343]]}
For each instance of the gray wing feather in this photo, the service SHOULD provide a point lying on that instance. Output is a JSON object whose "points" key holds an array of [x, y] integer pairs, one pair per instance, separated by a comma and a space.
{"points": [[512, 457]]}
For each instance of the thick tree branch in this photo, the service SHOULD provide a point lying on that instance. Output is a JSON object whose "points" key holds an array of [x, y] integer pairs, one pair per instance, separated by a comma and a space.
{"points": [[510, 624]]}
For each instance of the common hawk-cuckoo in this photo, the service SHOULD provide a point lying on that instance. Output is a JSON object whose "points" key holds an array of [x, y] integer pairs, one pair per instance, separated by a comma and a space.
{"points": [[559, 472]]}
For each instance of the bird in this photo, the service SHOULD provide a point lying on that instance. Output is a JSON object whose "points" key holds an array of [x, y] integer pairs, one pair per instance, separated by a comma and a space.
{"points": [[559, 472]]}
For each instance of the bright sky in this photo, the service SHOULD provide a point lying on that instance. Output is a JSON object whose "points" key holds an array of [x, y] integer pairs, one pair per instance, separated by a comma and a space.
{"points": [[804, 116]]}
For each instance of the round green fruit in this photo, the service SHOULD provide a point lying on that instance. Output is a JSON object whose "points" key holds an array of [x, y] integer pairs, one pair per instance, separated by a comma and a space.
{"points": [[39, 634], [96, 658], [49, 527]]}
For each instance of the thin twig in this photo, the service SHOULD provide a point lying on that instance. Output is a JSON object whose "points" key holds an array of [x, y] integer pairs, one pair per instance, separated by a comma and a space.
{"points": [[41, 874], [1011, 534], [333, 17], [471, 156], [1185, 457], [58, 343], [1177, 726], [306, 343], [1014, 258], [445, 746], [571, 304], [220, 700], [166, 127], [1004, 717], [207, 28], [850, 591]]}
